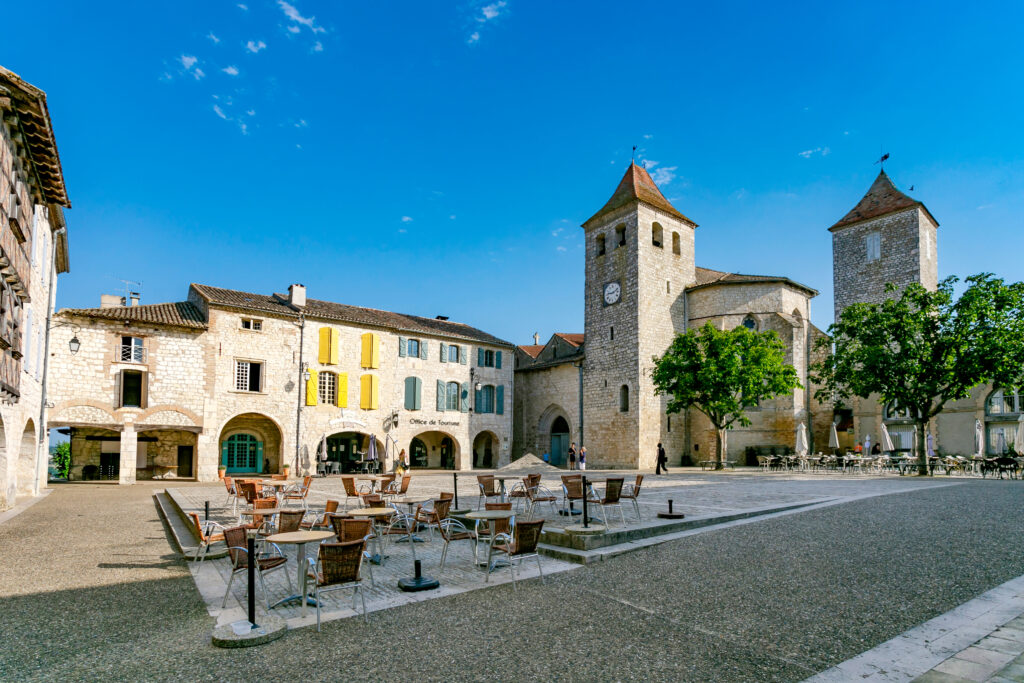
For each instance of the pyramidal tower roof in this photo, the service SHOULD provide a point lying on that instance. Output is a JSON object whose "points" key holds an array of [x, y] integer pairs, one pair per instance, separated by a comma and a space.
{"points": [[882, 198], [637, 186]]}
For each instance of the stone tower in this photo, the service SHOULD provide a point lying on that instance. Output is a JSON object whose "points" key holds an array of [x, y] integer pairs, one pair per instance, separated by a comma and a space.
{"points": [[639, 261], [887, 237]]}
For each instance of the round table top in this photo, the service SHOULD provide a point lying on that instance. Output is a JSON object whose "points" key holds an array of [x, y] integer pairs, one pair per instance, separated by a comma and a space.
{"points": [[300, 536], [371, 512], [265, 511], [506, 477], [371, 477], [276, 482], [413, 500], [490, 514]]}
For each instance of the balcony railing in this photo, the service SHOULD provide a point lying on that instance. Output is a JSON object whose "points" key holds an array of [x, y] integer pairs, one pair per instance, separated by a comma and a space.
{"points": [[132, 354]]}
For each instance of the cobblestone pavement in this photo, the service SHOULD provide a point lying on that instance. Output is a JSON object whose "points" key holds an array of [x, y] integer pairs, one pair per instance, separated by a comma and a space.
{"points": [[93, 591]]}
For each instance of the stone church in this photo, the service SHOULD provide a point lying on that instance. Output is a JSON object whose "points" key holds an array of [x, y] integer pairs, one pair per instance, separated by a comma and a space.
{"points": [[642, 288]]}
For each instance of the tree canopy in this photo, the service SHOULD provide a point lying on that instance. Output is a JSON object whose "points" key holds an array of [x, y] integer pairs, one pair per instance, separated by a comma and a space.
{"points": [[723, 374], [923, 349]]}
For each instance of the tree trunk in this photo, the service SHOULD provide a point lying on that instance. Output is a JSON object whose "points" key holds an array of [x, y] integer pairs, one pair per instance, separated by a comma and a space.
{"points": [[922, 448], [719, 448]]}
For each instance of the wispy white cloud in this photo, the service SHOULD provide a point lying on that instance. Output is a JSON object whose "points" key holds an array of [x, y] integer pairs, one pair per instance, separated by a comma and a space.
{"points": [[402, 231], [648, 136], [560, 248], [188, 61], [985, 206], [301, 123], [292, 13], [483, 15], [219, 112], [255, 46], [808, 153], [452, 217], [251, 112], [198, 73], [230, 71], [664, 175], [212, 37], [407, 219], [244, 8], [293, 29], [317, 47], [740, 194], [474, 37]]}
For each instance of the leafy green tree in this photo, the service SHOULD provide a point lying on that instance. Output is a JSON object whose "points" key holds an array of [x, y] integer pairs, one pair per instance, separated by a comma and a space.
{"points": [[923, 349], [723, 374], [62, 458]]}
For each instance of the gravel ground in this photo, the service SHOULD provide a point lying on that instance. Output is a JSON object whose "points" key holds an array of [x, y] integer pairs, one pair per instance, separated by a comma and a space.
{"points": [[94, 592]]}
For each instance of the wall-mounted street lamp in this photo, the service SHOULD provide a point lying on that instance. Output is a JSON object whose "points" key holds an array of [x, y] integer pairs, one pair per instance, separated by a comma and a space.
{"points": [[305, 372], [74, 345]]}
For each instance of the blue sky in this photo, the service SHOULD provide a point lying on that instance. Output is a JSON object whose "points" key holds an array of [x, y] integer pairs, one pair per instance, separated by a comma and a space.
{"points": [[438, 158]]}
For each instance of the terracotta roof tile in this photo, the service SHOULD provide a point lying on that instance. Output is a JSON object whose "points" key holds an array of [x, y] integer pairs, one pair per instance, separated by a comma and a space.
{"points": [[178, 314], [882, 198], [532, 350], [707, 277], [575, 339], [638, 186]]}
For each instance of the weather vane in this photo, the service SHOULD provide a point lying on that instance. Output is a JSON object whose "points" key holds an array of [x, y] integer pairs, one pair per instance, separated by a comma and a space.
{"points": [[632, 157], [883, 159]]}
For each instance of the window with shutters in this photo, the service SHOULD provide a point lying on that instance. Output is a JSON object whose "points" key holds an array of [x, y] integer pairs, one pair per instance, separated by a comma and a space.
{"points": [[488, 359], [248, 376], [328, 387], [413, 348], [132, 350], [413, 393], [453, 353], [132, 389], [252, 324], [486, 399], [370, 357], [452, 402], [873, 246]]}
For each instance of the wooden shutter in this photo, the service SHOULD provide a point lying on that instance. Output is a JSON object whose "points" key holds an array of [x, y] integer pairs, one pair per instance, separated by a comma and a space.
{"points": [[259, 457], [374, 350], [423, 349], [497, 360], [479, 358], [366, 354], [464, 397], [374, 392], [444, 352], [341, 400], [401, 347], [499, 399], [117, 389], [440, 395], [410, 393], [224, 454], [369, 392], [419, 393], [463, 355], [324, 354], [144, 390], [311, 389], [335, 346]]}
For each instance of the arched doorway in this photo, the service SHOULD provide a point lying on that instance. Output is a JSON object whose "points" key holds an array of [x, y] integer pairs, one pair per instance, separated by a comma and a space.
{"points": [[434, 450], [347, 451], [27, 460], [251, 443], [559, 452], [485, 450]]}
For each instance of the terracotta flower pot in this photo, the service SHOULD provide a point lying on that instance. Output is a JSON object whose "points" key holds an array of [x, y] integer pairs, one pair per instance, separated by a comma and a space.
{"points": [[220, 472]]}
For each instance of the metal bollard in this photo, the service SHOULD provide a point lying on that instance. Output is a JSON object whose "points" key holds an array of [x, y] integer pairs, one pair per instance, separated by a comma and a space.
{"points": [[252, 580], [206, 514], [586, 518], [670, 506], [455, 485]]}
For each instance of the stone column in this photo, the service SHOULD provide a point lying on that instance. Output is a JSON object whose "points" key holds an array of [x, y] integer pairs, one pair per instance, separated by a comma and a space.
{"points": [[207, 457], [129, 444]]}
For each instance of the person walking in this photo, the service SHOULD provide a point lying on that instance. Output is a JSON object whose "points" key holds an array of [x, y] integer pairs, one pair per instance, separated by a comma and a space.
{"points": [[572, 455], [662, 461], [583, 457]]}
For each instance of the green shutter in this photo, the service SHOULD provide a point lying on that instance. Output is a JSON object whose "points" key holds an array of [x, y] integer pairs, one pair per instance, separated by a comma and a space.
{"points": [[479, 358], [440, 395], [418, 394], [464, 402], [423, 349], [444, 352], [499, 399], [224, 454], [410, 393], [401, 347], [463, 353], [497, 359], [478, 401], [259, 457]]}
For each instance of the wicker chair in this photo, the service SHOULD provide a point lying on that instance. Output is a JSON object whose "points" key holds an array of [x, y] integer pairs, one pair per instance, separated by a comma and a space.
{"points": [[632, 492], [247, 490], [612, 498], [325, 521], [351, 491], [337, 566], [300, 492], [372, 500], [401, 524], [486, 530], [208, 533], [398, 488], [535, 493], [359, 529], [517, 546], [289, 520], [425, 516], [451, 530], [572, 490], [235, 538], [517, 494], [229, 484], [385, 484], [488, 489]]}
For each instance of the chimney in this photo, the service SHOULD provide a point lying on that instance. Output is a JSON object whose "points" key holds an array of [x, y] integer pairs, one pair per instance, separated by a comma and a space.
{"points": [[111, 301], [536, 339], [297, 295], [133, 297]]}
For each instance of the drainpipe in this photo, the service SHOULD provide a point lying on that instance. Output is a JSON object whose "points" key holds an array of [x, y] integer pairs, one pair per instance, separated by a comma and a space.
{"points": [[51, 295], [807, 378], [579, 367], [302, 390]]}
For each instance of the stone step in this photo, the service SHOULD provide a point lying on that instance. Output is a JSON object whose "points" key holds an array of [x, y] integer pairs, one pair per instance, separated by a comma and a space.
{"points": [[181, 531]]}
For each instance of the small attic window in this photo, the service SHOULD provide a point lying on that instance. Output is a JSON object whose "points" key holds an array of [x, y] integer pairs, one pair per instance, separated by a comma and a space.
{"points": [[620, 235]]}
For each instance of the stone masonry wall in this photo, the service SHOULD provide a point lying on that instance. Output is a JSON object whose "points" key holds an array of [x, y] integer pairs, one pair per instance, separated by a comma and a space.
{"points": [[542, 396]]}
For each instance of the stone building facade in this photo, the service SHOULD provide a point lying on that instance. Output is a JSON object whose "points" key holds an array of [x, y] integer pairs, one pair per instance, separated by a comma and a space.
{"points": [[888, 237], [33, 250], [256, 382], [642, 288]]}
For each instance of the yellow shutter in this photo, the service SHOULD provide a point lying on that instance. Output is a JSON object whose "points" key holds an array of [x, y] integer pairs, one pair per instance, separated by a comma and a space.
{"points": [[374, 391], [335, 346], [342, 399], [311, 389], [374, 350], [325, 346], [366, 359], [365, 389]]}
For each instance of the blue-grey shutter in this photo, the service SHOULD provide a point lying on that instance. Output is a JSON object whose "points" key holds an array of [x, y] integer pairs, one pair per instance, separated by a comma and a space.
{"points": [[259, 457], [499, 399], [478, 401], [440, 395], [224, 454], [418, 394], [497, 359], [444, 352], [463, 353], [401, 347], [410, 393], [464, 403], [423, 349], [479, 358]]}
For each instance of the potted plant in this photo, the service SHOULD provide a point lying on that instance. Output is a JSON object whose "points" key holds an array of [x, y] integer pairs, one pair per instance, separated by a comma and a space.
{"points": [[221, 469], [287, 470]]}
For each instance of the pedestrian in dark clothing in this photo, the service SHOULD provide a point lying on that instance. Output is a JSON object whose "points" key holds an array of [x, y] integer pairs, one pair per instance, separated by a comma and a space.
{"points": [[662, 461], [572, 455]]}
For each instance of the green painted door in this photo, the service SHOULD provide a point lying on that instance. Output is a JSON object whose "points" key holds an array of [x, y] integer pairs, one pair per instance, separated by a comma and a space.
{"points": [[242, 453]]}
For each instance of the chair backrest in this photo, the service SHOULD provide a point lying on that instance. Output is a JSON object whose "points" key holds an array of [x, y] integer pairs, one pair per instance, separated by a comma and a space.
{"points": [[340, 562], [350, 486], [488, 484], [573, 486], [527, 536], [532, 480], [349, 529], [235, 538], [441, 508], [262, 504], [372, 499], [445, 495], [306, 482], [388, 480], [248, 491], [289, 520], [279, 477], [612, 490], [229, 484], [499, 526], [406, 478], [198, 525], [331, 507], [636, 486]]}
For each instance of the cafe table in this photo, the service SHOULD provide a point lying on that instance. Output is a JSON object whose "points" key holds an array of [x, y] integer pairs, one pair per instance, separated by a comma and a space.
{"points": [[488, 515], [376, 514], [300, 539], [410, 501], [501, 480], [374, 480]]}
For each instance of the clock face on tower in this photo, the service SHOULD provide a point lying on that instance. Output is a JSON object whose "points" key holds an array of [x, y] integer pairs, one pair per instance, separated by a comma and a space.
{"points": [[612, 293]]}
